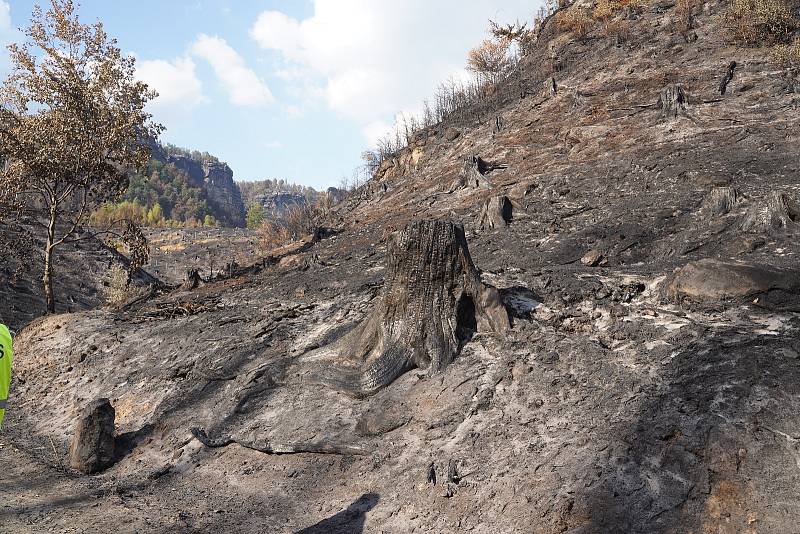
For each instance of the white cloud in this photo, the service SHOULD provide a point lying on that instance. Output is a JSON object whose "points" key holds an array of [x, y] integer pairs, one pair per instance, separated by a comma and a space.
{"points": [[374, 59], [176, 82], [242, 84]]}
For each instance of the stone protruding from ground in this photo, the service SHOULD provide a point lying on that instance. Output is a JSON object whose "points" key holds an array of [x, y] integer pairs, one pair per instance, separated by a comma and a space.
{"points": [[778, 212], [432, 301], [673, 100], [497, 212], [710, 279], [722, 200], [92, 448]]}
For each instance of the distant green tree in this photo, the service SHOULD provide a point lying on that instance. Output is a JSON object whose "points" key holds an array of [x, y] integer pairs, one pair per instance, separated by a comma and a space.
{"points": [[155, 216], [209, 221], [255, 215]]}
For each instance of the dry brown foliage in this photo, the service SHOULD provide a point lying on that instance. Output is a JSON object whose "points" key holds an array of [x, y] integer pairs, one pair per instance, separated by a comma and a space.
{"points": [[575, 20], [684, 15], [489, 59], [759, 22], [606, 9], [787, 56]]}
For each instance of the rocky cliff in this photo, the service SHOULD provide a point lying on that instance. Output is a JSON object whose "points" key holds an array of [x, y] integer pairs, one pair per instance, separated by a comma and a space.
{"points": [[216, 180]]}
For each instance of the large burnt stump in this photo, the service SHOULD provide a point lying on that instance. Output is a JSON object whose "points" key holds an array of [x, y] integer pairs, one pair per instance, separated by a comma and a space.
{"points": [[431, 303]]}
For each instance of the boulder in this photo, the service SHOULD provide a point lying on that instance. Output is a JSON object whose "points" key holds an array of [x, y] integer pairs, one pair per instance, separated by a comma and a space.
{"points": [[593, 258], [710, 279], [93, 444]]}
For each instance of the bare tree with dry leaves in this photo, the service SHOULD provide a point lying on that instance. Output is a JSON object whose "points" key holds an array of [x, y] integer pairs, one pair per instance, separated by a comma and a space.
{"points": [[72, 124]]}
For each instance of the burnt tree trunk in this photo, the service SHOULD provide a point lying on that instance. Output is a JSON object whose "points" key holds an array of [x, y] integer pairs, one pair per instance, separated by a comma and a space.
{"points": [[496, 213], [777, 213], [673, 101], [473, 175], [432, 301]]}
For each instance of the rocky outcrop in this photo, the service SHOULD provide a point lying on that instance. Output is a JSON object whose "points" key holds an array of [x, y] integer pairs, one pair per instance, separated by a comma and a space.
{"points": [[223, 193], [216, 180], [277, 204]]}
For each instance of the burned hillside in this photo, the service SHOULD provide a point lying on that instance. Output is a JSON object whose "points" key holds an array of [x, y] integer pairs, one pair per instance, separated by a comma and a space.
{"points": [[628, 199]]}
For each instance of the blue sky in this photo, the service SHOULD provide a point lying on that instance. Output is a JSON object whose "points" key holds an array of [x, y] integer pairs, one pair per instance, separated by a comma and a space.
{"points": [[294, 89]]}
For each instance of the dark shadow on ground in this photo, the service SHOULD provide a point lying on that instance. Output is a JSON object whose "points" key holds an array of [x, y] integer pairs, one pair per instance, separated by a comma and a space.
{"points": [[349, 521]]}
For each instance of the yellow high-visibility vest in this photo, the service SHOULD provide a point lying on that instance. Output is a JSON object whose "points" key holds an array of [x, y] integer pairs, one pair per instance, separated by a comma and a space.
{"points": [[6, 355]]}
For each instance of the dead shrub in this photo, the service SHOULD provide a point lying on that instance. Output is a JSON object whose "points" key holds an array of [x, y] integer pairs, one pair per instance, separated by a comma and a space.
{"points": [[787, 56], [272, 235], [759, 22], [575, 20], [618, 31], [607, 9], [117, 288], [300, 221], [489, 59], [684, 15]]}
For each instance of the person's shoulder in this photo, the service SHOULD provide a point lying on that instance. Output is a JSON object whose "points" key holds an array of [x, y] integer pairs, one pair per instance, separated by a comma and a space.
{"points": [[5, 333]]}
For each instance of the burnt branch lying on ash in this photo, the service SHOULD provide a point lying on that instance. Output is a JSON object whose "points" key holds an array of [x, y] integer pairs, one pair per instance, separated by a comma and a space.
{"points": [[315, 447], [432, 302]]}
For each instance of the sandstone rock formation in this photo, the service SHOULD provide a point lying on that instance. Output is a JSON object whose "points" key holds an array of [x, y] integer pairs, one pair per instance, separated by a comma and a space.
{"points": [[216, 179]]}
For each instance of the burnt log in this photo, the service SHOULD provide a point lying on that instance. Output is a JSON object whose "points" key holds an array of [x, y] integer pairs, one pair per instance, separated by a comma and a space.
{"points": [[432, 302]]}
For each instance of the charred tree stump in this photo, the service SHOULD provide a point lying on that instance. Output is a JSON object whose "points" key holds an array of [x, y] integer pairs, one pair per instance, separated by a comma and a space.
{"points": [[673, 101], [778, 212], [193, 279], [496, 213], [432, 301], [726, 79], [93, 445], [721, 200], [473, 175]]}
